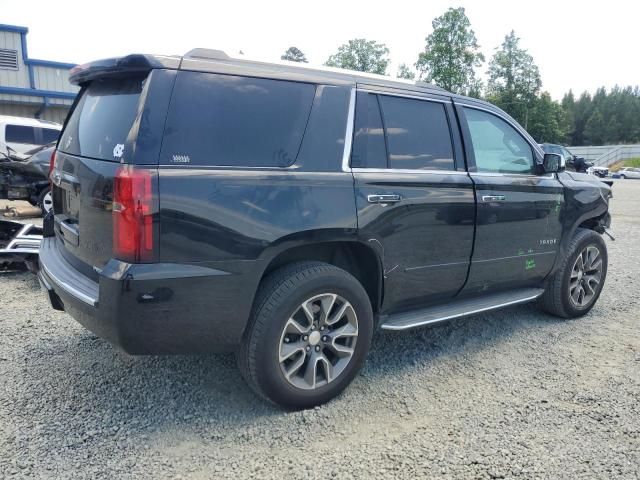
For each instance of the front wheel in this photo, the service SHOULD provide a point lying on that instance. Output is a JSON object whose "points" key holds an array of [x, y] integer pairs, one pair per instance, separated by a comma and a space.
{"points": [[622, 177], [574, 289], [309, 335]]}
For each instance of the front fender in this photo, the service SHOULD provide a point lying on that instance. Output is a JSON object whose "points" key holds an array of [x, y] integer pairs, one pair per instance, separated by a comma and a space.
{"points": [[586, 198]]}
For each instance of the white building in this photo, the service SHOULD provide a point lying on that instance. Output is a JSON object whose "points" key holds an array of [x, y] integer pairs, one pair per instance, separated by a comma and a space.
{"points": [[29, 87]]}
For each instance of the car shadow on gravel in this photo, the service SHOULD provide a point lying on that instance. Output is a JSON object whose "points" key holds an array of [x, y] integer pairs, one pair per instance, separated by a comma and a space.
{"points": [[107, 391], [466, 336]]}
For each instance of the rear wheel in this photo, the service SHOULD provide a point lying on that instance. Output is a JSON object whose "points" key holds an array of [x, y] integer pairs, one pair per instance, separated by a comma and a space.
{"points": [[575, 287], [309, 335], [622, 177]]}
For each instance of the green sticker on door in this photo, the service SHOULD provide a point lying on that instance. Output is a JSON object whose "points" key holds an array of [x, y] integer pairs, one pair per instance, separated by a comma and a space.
{"points": [[529, 264]]}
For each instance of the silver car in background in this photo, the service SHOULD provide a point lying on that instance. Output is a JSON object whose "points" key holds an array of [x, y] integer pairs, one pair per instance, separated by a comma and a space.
{"points": [[628, 172]]}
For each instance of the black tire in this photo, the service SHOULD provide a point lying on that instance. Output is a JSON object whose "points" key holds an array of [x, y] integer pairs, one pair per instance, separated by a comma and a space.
{"points": [[622, 177], [556, 298], [43, 201], [279, 296]]}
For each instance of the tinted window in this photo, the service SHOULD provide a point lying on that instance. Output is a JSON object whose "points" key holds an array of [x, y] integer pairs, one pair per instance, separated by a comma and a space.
{"points": [[417, 134], [497, 146], [49, 135], [20, 134], [100, 123], [368, 137], [229, 120]]}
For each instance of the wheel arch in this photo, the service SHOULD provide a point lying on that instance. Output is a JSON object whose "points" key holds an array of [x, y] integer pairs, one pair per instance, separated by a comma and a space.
{"points": [[352, 255]]}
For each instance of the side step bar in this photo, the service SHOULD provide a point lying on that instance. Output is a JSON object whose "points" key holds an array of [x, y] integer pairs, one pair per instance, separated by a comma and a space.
{"points": [[458, 308]]}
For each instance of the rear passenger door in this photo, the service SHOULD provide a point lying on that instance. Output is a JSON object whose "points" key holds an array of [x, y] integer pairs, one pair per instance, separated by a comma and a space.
{"points": [[414, 199]]}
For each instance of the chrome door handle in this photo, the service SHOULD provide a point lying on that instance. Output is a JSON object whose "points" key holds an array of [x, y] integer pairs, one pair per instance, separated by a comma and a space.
{"points": [[393, 198], [493, 198]]}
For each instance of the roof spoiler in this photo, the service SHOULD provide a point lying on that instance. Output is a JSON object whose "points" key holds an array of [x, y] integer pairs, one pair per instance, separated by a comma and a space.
{"points": [[113, 67]]}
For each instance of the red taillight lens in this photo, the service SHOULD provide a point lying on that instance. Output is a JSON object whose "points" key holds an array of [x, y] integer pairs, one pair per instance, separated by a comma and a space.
{"points": [[133, 215], [52, 163]]}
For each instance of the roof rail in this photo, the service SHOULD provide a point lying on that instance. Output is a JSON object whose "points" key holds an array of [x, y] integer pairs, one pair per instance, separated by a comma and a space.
{"points": [[419, 83], [206, 53]]}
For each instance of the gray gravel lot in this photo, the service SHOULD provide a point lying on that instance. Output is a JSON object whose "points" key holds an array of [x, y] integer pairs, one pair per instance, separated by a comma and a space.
{"points": [[510, 394]]}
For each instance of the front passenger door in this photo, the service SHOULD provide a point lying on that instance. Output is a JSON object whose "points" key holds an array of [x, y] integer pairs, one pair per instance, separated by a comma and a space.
{"points": [[518, 227]]}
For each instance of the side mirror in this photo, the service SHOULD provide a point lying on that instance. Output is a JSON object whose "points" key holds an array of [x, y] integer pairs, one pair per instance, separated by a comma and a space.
{"points": [[551, 162]]}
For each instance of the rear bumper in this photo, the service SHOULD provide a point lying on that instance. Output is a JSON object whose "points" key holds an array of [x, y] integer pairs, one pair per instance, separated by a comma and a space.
{"points": [[153, 308]]}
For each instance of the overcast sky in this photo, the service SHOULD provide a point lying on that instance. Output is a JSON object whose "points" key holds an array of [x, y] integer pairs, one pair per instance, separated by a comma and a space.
{"points": [[579, 45]]}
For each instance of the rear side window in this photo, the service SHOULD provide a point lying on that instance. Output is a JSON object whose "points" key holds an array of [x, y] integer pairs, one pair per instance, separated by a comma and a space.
{"points": [[49, 135], [20, 134], [369, 149], [100, 122], [227, 120], [417, 133]]}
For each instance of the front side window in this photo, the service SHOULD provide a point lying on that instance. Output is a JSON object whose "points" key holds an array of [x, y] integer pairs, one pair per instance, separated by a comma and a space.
{"points": [[20, 134], [417, 133], [497, 146], [226, 120]]}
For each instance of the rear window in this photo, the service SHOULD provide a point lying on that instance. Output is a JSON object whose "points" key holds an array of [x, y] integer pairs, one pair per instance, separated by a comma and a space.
{"points": [[20, 134], [100, 123], [227, 120]]}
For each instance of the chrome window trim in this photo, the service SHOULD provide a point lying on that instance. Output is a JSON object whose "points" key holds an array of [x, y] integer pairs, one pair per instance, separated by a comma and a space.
{"points": [[398, 170], [498, 174], [348, 135], [403, 95]]}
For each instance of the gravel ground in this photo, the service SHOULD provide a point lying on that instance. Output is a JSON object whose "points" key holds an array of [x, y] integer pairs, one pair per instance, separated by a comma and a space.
{"points": [[511, 394]]}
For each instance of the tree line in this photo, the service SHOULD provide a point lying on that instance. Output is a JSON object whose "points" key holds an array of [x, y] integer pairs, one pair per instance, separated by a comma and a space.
{"points": [[451, 58]]}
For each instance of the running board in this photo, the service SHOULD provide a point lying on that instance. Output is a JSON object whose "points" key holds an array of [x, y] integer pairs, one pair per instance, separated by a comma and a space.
{"points": [[458, 308]]}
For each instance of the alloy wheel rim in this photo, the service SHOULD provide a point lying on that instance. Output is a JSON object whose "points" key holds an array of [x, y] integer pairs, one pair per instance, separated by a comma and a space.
{"points": [[318, 341], [586, 276], [47, 202]]}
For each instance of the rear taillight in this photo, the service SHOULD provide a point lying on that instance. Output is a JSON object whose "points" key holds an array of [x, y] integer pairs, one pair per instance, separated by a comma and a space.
{"points": [[52, 163], [133, 215]]}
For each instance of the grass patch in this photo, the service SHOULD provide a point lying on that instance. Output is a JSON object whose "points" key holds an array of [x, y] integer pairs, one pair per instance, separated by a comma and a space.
{"points": [[632, 162]]}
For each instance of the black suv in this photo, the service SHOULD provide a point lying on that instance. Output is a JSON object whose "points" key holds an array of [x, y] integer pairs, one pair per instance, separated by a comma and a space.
{"points": [[203, 203]]}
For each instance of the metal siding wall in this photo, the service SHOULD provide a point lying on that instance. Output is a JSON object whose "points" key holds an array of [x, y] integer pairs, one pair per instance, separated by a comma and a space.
{"points": [[18, 110], [55, 114], [60, 101], [13, 78], [8, 98], [54, 79]]}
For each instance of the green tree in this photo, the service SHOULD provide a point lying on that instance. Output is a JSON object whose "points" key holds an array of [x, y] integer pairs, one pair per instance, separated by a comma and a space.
{"points": [[451, 53], [294, 54], [361, 55], [514, 79], [605, 118], [568, 105], [594, 128], [404, 71], [547, 120], [581, 113]]}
